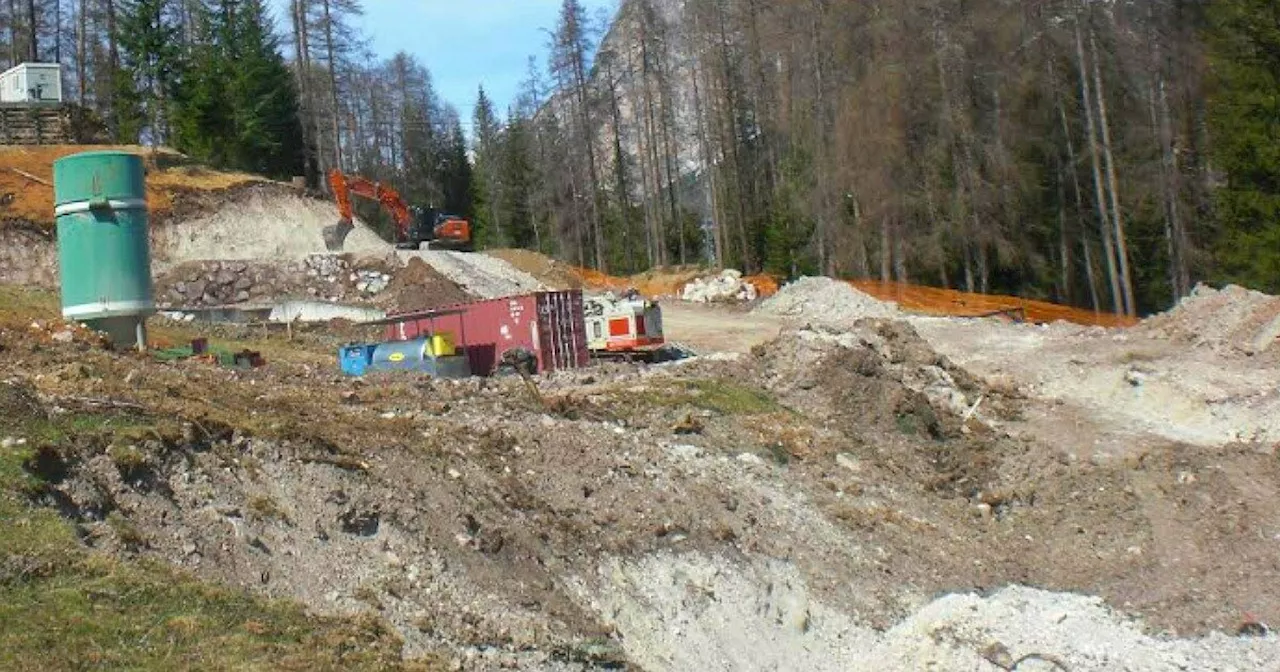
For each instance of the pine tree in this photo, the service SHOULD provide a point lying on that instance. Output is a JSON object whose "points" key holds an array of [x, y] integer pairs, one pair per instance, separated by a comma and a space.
{"points": [[264, 103], [238, 107], [517, 176], [454, 174], [1245, 115], [486, 188], [150, 63], [202, 120]]}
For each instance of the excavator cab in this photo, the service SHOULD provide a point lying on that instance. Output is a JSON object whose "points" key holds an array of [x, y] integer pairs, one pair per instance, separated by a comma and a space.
{"points": [[438, 230]]}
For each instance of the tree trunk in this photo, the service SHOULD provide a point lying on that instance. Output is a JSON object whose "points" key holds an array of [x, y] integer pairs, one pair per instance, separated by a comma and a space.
{"points": [[333, 85], [1122, 246], [861, 264], [709, 168], [620, 167], [1172, 172], [1179, 275], [586, 136], [886, 249], [13, 33], [1064, 245], [1090, 275], [653, 177], [302, 65], [1076, 191], [82, 53], [33, 33], [1108, 250]]}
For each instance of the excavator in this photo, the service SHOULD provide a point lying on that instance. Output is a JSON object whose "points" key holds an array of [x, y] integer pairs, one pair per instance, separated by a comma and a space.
{"points": [[415, 227]]}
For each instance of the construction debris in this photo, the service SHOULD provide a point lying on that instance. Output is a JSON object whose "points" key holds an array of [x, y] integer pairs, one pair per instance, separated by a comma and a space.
{"points": [[727, 286], [827, 302]]}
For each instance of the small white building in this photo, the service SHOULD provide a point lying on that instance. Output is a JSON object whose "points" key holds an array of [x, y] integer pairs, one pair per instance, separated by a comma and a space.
{"points": [[32, 83]]}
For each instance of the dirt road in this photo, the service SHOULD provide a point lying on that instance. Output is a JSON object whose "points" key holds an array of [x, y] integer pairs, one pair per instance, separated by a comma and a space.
{"points": [[709, 328]]}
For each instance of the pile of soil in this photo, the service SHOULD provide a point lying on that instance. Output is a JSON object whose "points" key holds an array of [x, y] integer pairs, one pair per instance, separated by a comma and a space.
{"points": [[28, 255], [479, 274], [1233, 320], [418, 286], [260, 221], [804, 506], [550, 272]]}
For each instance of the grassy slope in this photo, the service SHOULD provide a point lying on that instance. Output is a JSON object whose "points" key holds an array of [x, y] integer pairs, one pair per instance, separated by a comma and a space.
{"points": [[167, 173], [63, 606]]}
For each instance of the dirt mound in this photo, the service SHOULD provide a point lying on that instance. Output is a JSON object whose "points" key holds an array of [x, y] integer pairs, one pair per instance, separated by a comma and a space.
{"points": [[836, 499], [550, 272], [691, 612], [825, 301], [260, 221], [556, 274], [168, 172], [1233, 320], [28, 255], [418, 286], [478, 274]]}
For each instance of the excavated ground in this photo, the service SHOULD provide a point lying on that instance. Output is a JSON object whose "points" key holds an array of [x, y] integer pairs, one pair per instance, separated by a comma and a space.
{"points": [[796, 501]]}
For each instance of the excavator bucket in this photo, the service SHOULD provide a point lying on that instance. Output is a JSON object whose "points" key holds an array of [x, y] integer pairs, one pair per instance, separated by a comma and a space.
{"points": [[335, 236]]}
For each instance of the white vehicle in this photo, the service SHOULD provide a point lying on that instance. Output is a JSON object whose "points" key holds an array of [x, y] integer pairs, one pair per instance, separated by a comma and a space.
{"points": [[627, 326]]}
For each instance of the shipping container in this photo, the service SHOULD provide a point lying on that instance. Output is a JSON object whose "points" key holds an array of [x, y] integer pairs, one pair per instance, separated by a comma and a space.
{"points": [[547, 324], [31, 83]]}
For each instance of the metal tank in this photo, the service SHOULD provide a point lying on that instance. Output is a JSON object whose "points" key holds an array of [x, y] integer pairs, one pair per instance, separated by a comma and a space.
{"points": [[104, 254], [417, 356]]}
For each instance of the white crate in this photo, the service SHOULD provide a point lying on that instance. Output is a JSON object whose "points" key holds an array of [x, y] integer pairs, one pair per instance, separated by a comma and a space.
{"points": [[32, 83]]}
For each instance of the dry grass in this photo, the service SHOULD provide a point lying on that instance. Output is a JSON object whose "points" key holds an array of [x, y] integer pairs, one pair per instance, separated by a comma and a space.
{"points": [[167, 172]]}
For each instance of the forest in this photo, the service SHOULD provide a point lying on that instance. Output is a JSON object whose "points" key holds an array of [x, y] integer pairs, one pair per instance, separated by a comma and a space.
{"points": [[1103, 154]]}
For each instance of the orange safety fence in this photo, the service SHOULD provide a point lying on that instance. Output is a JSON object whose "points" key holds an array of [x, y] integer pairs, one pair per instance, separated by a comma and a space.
{"points": [[936, 301], [913, 298], [766, 285]]}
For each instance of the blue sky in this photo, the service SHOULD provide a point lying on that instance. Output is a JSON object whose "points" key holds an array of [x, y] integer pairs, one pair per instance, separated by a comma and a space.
{"points": [[465, 43]]}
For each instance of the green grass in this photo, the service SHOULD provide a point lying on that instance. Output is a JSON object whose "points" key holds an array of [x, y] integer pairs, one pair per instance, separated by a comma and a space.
{"points": [[63, 607], [22, 306], [717, 395]]}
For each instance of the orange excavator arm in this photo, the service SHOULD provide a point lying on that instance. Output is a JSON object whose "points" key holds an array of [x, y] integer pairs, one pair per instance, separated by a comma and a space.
{"points": [[345, 186]]}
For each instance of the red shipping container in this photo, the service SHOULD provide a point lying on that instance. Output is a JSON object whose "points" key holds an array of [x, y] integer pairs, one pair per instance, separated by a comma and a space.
{"points": [[548, 324]]}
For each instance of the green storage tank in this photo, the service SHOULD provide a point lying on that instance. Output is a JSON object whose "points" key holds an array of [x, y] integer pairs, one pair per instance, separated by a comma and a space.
{"points": [[104, 253]]}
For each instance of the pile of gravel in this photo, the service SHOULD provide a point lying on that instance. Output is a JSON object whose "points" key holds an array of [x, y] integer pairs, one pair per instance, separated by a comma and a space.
{"points": [[265, 223], [692, 612], [826, 301], [478, 274], [1230, 320]]}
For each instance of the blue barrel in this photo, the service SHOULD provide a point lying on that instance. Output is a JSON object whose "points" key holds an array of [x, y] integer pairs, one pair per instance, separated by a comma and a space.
{"points": [[104, 254], [354, 360]]}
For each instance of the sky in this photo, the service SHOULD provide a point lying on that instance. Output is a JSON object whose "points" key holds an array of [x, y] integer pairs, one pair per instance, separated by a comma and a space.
{"points": [[465, 43]]}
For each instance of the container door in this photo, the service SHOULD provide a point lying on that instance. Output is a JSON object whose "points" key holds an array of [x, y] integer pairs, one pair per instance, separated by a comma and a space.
{"points": [[562, 338]]}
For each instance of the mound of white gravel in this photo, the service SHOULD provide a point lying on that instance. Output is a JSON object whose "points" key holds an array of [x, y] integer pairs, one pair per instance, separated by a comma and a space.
{"points": [[479, 274], [264, 225], [694, 612], [1228, 320], [826, 301]]}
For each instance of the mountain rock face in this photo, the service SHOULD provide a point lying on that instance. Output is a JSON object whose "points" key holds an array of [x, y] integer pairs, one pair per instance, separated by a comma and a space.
{"points": [[644, 102]]}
